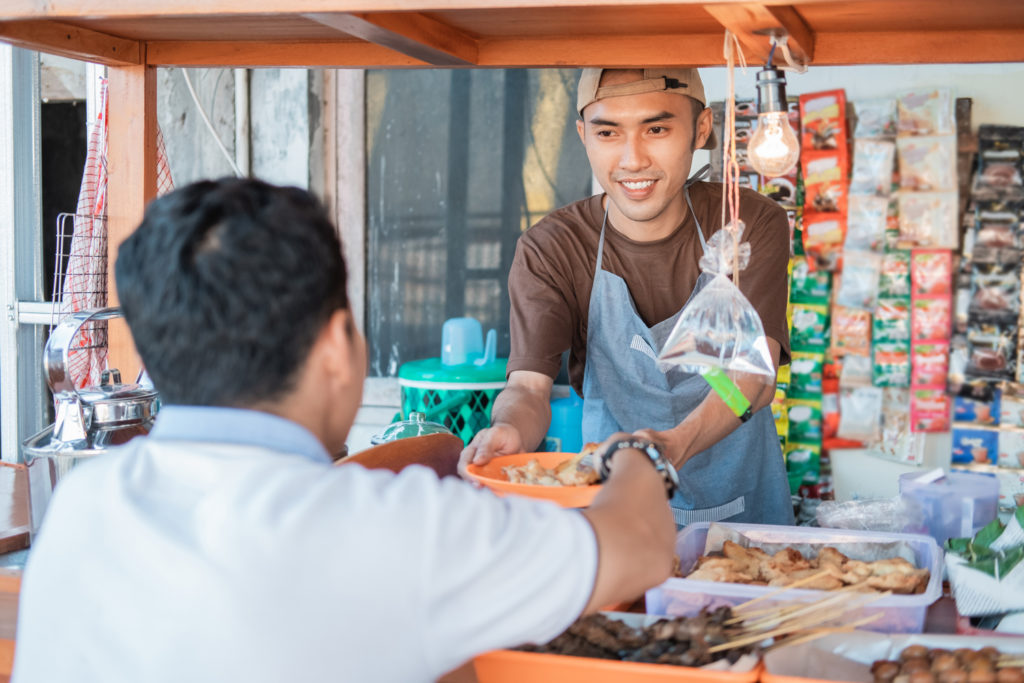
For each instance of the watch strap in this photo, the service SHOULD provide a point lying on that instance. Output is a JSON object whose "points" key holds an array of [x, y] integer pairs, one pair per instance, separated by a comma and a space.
{"points": [[650, 449]]}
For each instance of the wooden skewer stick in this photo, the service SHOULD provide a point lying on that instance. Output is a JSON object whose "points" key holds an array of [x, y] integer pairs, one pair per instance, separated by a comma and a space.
{"points": [[796, 584], [810, 608], [814, 634], [1015, 661]]}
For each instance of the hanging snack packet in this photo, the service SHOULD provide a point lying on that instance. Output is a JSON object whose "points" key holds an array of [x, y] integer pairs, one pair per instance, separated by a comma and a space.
{"points": [[810, 328], [858, 287], [805, 374], [926, 113], [976, 411], [824, 181], [1011, 448], [865, 222], [851, 332], [975, 445], [872, 167], [996, 225], [892, 322], [823, 120], [891, 365], [1000, 160], [829, 410], [931, 319], [929, 364], [1010, 408], [875, 118], [995, 291], [894, 280], [892, 225], [927, 163], [856, 372], [803, 465], [823, 235], [931, 272], [991, 350], [929, 219], [807, 286], [860, 414], [929, 410], [804, 420]]}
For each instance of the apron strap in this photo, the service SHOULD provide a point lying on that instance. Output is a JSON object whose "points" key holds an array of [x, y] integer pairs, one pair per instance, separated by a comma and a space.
{"points": [[700, 175], [600, 242]]}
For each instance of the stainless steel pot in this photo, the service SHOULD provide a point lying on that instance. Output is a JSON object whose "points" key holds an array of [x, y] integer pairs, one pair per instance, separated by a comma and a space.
{"points": [[88, 421]]}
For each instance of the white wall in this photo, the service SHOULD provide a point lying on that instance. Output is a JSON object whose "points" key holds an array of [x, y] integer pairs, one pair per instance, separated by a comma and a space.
{"points": [[996, 89]]}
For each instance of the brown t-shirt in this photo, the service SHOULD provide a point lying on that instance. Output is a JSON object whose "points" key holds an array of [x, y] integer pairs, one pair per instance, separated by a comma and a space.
{"points": [[553, 272]]}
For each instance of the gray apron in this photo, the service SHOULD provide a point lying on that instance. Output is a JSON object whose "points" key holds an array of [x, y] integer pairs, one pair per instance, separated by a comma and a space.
{"points": [[742, 478]]}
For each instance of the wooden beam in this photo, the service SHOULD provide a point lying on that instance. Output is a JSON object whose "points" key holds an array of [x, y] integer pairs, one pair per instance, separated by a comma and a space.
{"points": [[341, 54], [619, 51], [131, 183], [410, 33], [919, 47], [753, 22], [71, 41]]}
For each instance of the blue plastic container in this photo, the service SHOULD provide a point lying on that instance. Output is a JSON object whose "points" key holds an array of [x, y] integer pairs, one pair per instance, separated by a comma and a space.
{"points": [[566, 432]]}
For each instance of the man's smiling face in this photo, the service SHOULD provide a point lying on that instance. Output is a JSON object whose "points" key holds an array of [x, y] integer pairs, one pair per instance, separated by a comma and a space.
{"points": [[640, 149]]}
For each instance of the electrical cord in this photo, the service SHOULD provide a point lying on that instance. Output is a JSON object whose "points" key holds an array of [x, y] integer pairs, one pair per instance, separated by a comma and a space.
{"points": [[209, 126]]}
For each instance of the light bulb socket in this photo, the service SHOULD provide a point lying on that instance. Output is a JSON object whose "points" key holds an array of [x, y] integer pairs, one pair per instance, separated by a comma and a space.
{"points": [[771, 91]]}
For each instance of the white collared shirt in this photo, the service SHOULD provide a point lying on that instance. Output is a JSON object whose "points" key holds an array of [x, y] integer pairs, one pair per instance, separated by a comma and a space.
{"points": [[183, 559]]}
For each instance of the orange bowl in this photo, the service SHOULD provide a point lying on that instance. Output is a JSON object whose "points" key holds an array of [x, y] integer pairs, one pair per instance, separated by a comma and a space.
{"points": [[491, 476]]}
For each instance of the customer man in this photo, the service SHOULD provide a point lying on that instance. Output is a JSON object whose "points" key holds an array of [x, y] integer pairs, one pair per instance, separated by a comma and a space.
{"points": [[225, 547], [607, 277]]}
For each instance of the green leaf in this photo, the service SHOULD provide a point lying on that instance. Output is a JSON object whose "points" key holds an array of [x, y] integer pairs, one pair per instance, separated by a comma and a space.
{"points": [[1019, 514], [987, 565], [958, 545], [989, 533], [1011, 558]]}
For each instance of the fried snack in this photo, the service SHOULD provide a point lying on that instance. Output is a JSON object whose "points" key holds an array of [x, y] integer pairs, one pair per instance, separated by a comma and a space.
{"points": [[569, 472], [737, 564], [918, 663]]}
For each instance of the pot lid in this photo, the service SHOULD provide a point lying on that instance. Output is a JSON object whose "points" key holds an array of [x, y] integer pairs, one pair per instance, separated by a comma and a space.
{"points": [[115, 403], [416, 425]]}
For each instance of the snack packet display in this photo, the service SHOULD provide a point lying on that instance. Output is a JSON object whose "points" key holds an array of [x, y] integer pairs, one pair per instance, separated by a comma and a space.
{"points": [[875, 118], [860, 414], [931, 272], [803, 464], [931, 318], [851, 331], [823, 121], [809, 286], [1000, 162], [858, 286], [805, 377], [996, 225], [891, 365], [824, 181], [891, 323], [929, 410], [929, 364], [927, 112], [1010, 409], [973, 445], [1011, 448], [856, 371], [894, 280], [995, 291], [865, 222], [872, 167], [991, 350], [927, 163], [804, 420], [975, 411], [810, 328], [929, 219]]}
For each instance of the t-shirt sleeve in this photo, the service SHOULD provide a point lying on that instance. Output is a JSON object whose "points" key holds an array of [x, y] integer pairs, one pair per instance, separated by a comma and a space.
{"points": [[540, 317], [764, 281]]}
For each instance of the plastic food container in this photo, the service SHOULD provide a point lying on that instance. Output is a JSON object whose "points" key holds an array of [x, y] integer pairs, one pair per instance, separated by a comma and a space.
{"points": [[508, 666], [956, 505], [901, 613]]}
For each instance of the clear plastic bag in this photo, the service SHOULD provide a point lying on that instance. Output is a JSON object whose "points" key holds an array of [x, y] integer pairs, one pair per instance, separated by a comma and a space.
{"points": [[892, 515], [719, 328]]}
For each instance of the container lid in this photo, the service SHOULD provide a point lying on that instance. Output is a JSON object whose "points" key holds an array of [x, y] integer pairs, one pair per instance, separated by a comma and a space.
{"points": [[115, 403], [416, 425], [431, 370]]}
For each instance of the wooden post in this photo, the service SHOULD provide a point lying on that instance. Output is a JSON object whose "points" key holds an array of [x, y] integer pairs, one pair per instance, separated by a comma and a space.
{"points": [[131, 174]]}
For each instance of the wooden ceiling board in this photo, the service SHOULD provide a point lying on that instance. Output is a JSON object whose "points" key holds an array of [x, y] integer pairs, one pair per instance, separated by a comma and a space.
{"points": [[919, 15], [242, 27]]}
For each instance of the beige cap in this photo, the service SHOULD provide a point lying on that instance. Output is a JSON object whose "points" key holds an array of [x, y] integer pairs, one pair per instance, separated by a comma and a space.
{"points": [[681, 81]]}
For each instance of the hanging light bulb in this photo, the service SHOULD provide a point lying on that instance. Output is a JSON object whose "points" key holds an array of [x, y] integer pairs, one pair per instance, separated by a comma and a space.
{"points": [[774, 149]]}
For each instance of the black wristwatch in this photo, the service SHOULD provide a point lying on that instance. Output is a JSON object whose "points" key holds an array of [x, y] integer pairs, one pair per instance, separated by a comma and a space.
{"points": [[649, 448]]}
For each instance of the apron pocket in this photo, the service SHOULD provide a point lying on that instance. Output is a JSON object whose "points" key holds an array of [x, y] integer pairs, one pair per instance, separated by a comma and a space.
{"points": [[640, 344], [715, 514]]}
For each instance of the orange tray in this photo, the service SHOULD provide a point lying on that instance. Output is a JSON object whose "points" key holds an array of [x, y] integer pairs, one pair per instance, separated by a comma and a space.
{"points": [[507, 666], [491, 476]]}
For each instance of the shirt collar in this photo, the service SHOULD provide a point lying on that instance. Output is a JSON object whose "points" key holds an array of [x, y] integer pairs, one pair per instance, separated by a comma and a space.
{"points": [[236, 426]]}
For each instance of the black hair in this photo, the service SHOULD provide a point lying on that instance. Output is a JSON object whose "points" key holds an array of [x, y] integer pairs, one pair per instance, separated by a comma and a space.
{"points": [[225, 286]]}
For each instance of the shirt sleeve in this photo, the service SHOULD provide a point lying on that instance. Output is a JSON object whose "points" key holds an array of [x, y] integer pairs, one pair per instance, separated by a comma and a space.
{"points": [[540, 317], [764, 282]]}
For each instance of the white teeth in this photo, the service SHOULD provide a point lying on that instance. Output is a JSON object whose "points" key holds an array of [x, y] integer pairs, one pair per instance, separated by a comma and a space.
{"points": [[639, 185]]}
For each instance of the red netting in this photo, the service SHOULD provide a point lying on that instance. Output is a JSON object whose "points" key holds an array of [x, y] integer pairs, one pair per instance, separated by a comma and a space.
{"points": [[81, 277]]}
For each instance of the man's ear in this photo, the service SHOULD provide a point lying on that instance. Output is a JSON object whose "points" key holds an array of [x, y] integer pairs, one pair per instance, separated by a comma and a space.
{"points": [[703, 127], [337, 344], [579, 129]]}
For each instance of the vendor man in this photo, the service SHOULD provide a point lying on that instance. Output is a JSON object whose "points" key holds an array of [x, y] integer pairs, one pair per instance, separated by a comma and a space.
{"points": [[224, 546], [607, 277]]}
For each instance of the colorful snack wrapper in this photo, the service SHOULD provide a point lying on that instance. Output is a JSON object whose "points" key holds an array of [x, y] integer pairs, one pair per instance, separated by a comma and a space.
{"points": [[875, 118], [927, 163], [891, 323], [810, 328], [929, 219], [858, 287], [804, 420], [991, 350], [894, 280], [1011, 448], [891, 365], [931, 272], [824, 181], [860, 414], [851, 331], [823, 120], [931, 318], [872, 167], [975, 445], [996, 225], [809, 286], [866, 218], [929, 364], [929, 410], [1000, 161], [1011, 410], [803, 464], [806, 374], [927, 112], [975, 411], [995, 292]]}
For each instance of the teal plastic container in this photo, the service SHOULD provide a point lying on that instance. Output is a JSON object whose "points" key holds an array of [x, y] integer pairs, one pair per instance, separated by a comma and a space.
{"points": [[458, 396]]}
